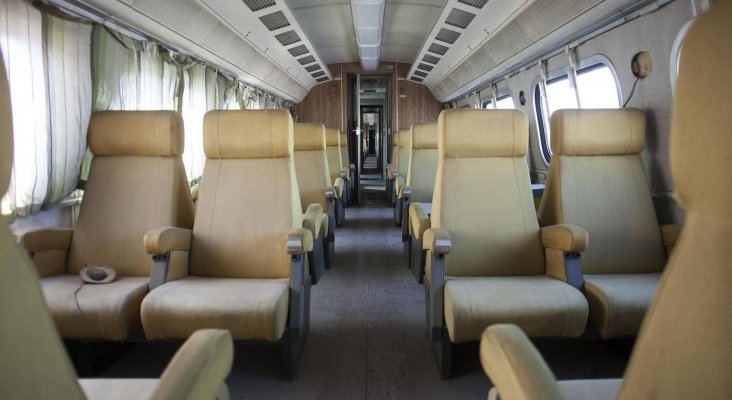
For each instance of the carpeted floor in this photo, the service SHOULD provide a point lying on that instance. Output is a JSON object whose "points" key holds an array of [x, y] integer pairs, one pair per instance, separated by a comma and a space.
{"points": [[367, 337]]}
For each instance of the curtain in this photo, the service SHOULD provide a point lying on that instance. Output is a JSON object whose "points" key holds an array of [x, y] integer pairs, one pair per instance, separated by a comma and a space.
{"points": [[201, 95], [49, 121]]}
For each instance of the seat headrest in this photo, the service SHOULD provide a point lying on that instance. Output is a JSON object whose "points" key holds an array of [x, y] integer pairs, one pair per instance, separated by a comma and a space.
{"points": [[6, 131], [343, 139], [309, 137], [136, 133], [701, 136], [244, 134], [598, 132], [395, 139], [471, 133], [405, 139], [332, 137], [424, 136]]}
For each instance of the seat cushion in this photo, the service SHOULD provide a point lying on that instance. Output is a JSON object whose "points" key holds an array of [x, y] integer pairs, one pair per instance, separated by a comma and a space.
{"points": [[107, 311], [618, 302], [538, 304], [118, 389], [581, 389], [248, 308]]}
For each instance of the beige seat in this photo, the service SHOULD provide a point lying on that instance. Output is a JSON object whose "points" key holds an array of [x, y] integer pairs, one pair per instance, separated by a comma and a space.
{"points": [[243, 266], [683, 350], [317, 196], [137, 182], [337, 175], [35, 364], [391, 167], [488, 262], [597, 181], [402, 167], [417, 195], [347, 166]]}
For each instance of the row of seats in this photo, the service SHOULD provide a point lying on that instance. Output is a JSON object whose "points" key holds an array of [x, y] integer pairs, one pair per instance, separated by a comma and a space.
{"points": [[683, 349], [261, 234], [478, 244]]}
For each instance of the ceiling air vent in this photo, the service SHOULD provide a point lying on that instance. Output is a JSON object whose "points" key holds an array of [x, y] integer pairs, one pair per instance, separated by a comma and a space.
{"points": [[459, 18], [306, 60], [447, 35], [317, 74], [322, 79], [414, 78], [274, 21], [288, 38], [431, 59], [475, 3], [438, 49], [425, 67], [298, 51], [312, 68], [256, 5], [420, 73]]}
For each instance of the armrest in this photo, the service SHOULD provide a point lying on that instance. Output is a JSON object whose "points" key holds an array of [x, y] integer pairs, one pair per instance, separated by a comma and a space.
{"points": [[670, 234], [338, 186], [47, 239], [344, 173], [405, 192], [437, 240], [163, 240], [390, 171], [313, 218], [419, 220], [398, 184], [565, 237], [330, 193], [515, 366], [299, 241], [199, 367], [351, 167]]}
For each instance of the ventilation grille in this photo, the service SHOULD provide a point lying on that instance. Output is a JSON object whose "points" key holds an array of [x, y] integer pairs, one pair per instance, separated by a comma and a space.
{"points": [[475, 3], [416, 79], [438, 49], [299, 50], [459, 18], [420, 73], [322, 79], [274, 21], [312, 68], [288, 38], [425, 67], [306, 60], [256, 5], [431, 59], [317, 74], [447, 35]]}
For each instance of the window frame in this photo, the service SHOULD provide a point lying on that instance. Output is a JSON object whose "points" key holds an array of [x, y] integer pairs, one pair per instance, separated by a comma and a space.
{"points": [[540, 109], [504, 94]]}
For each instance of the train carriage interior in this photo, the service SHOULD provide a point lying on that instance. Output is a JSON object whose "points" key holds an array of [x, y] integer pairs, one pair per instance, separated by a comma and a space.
{"points": [[365, 199]]}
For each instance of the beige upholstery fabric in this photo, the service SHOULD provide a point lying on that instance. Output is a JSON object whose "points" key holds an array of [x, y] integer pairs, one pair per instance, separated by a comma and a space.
{"points": [[683, 350], [423, 162], [118, 389], [418, 220], [248, 308], [394, 160], [6, 131], [239, 268], [345, 158], [405, 148], [618, 302], [483, 199], [137, 182], [539, 305], [333, 150], [597, 181], [311, 164]]}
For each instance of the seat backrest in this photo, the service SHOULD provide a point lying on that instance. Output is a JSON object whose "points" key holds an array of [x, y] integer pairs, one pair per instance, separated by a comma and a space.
{"points": [[34, 363], [137, 182], [483, 194], [405, 149], [597, 181], [423, 162], [395, 149], [345, 158], [311, 164], [683, 350], [333, 147], [248, 201]]}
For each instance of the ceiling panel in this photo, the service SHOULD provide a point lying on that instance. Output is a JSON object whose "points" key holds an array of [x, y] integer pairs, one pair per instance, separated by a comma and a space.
{"points": [[329, 26], [406, 26]]}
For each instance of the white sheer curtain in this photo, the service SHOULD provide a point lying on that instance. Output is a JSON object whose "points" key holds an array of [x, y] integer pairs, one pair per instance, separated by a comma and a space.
{"points": [[49, 123], [200, 95]]}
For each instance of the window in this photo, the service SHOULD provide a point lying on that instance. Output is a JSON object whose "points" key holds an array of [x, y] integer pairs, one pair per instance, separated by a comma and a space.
{"points": [[504, 102], [596, 88]]}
